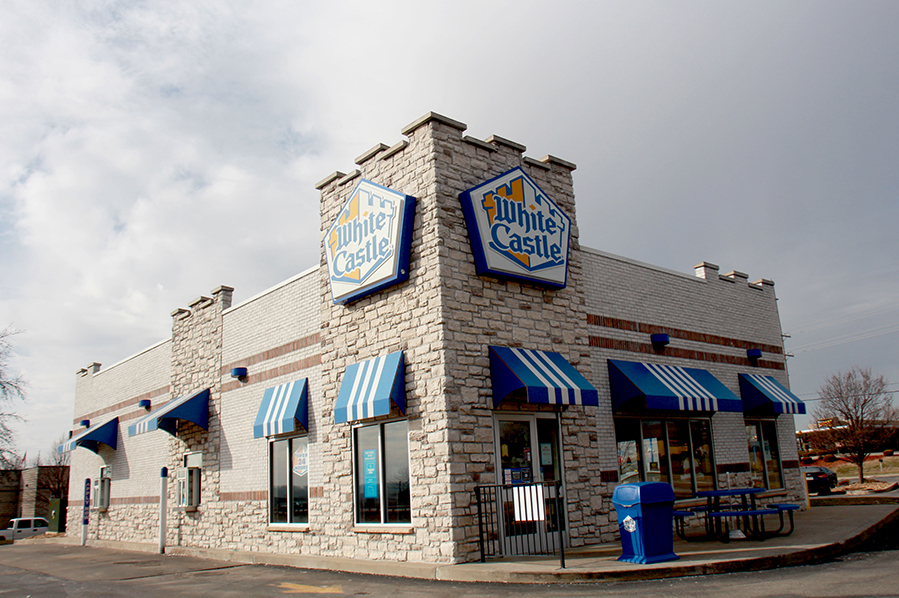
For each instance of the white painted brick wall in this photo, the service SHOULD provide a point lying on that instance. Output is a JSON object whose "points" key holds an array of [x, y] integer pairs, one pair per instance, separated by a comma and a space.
{"points": [[131, 465]]}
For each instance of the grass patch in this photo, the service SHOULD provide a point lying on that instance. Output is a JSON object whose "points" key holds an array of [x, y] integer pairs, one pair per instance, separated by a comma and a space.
{"points": [[872, 468]]}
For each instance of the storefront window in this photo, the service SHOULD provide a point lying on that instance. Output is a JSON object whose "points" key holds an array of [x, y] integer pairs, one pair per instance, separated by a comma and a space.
{"points": [[655, 455], [681, 457], [627, 432], [677, 451], [382, 473], [764, 457], [289, 482], [701, 444]]}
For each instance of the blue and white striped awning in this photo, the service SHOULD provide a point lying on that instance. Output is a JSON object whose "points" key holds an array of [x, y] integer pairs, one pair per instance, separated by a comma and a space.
{"points": [[763, 395], [546, 378], [368, 388], [193, 408], [92, 438], [674, 388], [282, 408]]}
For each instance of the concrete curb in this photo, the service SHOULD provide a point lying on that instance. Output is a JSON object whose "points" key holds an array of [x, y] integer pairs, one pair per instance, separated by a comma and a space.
{"points": [[669, 570], [853, 499]]}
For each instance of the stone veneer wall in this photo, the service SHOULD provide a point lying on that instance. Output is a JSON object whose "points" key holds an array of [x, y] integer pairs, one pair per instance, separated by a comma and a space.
{"points": [[484, 311], [445, 318], [196, 364], [408, 317]]}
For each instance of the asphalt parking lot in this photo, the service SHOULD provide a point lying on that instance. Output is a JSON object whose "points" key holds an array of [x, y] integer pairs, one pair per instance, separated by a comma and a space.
{"points": [[61, 567]]}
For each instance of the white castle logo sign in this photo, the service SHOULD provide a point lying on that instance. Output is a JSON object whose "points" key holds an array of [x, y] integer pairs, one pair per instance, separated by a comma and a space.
{"points": [[367, 246], [517, 231]]}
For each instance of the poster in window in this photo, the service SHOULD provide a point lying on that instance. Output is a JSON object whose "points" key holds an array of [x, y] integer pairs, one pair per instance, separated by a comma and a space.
{"points": [[546, 453], [370, 473], [300, 461]]}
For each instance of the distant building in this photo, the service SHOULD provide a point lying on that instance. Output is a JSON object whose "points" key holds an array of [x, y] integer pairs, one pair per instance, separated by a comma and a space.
{"points": [[27, 492], [454, 334], [817, 438]]}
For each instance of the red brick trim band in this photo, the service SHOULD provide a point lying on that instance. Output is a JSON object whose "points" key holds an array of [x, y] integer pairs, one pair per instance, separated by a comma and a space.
{"points": [[122, 404], [608, 477], [790, 464], [712, 339], [646, 348], [301, 343], [287, 368], [249, 495]]}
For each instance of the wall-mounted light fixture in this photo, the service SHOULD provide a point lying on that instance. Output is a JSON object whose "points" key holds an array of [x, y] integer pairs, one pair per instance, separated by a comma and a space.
{"points": [[86, 423], [144, 403], [239, 373], [659, 341], [753, 355]]}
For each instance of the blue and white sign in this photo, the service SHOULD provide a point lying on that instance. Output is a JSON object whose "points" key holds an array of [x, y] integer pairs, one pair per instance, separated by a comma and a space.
{"points": [[300, 459], [370, 473], [86, 505], [517, 231], [368, 244]]}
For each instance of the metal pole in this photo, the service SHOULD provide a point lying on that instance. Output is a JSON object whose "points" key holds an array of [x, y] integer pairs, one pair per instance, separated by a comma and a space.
{"points": [[86, 510], [559, 502], [163, 499], [477, 494]]}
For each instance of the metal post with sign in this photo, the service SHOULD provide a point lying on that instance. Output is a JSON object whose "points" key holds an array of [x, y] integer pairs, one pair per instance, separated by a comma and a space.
{"points": [[163, 500], [86, 510]]}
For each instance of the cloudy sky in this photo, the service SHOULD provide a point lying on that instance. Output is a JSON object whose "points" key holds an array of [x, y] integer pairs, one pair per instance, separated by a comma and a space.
{"points": [[151, 151]]}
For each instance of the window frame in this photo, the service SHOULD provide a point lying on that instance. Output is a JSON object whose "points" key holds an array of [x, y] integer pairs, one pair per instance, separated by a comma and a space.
{"points": [[533, 419], [382, 472], [103, 490], [766, 475], [272, 442], [663, 419]]}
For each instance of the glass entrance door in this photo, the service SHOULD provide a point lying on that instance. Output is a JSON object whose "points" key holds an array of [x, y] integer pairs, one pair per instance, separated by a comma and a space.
{"points": [[516, 451], [528, 461]]}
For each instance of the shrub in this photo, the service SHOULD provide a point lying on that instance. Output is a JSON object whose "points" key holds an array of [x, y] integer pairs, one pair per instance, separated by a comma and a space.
{"points": [[807, 461], [829, 458], [888, 453]]}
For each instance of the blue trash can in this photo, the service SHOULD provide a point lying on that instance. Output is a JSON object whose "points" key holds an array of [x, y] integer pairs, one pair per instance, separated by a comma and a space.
{"points": [[645, 521]]}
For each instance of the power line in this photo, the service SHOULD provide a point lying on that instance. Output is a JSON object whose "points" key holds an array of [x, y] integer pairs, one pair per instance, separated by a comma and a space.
{"points": [[815, 394], [846, 338], [874, 311]]}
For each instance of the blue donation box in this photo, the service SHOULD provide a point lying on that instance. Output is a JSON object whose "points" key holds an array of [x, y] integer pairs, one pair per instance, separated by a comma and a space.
{"points": [[645, 521]]}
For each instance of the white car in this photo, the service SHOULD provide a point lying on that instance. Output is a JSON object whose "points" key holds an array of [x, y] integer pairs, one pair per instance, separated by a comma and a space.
{"points": [[24, 527]]}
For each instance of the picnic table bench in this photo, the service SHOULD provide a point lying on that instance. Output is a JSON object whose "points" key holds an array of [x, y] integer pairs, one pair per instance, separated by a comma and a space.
{"points": [[745, 514]]}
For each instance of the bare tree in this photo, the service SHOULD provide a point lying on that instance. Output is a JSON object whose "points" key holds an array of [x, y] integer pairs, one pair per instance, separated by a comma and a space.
{"points": [[54, 473], [858, 413], [11, 388]]}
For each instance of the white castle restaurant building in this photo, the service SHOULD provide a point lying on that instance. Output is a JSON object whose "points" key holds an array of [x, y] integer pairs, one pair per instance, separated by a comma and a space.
{"points": [[454, 335]]}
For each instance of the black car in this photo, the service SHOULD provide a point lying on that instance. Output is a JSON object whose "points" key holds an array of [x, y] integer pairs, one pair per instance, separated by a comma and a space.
{"points": [[820, 480]]}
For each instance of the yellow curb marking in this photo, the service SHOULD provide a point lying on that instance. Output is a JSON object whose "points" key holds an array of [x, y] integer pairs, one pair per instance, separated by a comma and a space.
{"points": [[295, 588]]}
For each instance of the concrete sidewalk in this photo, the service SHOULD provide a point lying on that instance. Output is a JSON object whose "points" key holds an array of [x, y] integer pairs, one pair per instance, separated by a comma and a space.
{"points": [[833, 526]]}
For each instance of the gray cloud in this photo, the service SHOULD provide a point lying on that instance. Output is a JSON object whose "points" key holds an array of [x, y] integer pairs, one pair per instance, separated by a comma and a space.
{"points": [[154, 151]]}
